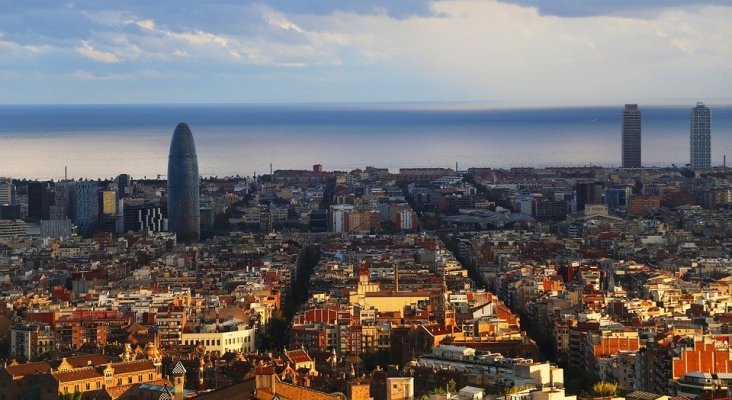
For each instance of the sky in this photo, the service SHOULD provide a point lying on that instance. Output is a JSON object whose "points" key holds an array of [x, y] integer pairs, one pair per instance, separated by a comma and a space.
{"points": [[519, 53]]}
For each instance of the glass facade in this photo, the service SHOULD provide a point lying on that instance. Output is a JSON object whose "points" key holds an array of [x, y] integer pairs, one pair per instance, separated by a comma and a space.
{"points": [[183, 186]]}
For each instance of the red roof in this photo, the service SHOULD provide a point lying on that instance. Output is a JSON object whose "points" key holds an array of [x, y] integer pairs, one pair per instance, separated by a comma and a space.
{"points": [[298, 356]]}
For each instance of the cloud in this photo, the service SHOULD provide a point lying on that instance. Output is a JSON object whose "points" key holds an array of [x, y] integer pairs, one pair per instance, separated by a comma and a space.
{"points": [[88, 51], [281, 22], [522, 50], [627, 8], [14, 46], [89, 76]]}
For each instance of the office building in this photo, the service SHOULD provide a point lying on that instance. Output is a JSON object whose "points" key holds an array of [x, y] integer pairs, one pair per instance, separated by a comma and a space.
{"points": [[700, 149], [64, 200], [143, 218], [588, 193], [7, 191], [183, 186], [10, 211], [87, 207], [123, 184], [40, 198], [631, 136]]}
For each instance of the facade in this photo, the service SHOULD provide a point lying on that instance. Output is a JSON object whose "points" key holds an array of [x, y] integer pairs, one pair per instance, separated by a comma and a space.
{"points": [[7, 191], [144, 218], [87, 207], [230, 336], [39, 200], [399, 388], [64, 200], [31, 341], [643, 205], [170, 321], [108, 202], [72, 331], [631, 136], [12, 228], [183, 186], [700, 148], [56, 228]]}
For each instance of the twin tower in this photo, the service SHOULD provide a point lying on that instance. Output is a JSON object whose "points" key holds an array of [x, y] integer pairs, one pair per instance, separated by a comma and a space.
{"points": [[184, 182]]}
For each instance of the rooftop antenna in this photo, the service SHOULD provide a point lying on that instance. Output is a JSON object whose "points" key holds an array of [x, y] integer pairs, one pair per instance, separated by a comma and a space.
{"points": [[724, 161], [270, 168], [66, 173]]}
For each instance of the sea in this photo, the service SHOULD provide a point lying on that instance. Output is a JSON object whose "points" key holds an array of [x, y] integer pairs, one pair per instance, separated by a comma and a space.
{"points": [[102, 141]]}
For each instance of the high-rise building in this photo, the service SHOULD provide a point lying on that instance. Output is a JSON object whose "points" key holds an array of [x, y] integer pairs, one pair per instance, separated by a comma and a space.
{"points": [[123, 184], [87, 207], [700, 148], [64, 200], [40, 198], [7, 191], [143, 218], [108, 202], [183, 186], [631, 137]]}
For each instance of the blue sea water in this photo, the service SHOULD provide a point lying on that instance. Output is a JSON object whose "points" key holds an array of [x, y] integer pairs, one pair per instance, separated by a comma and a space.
{"points": [[105, 140]]}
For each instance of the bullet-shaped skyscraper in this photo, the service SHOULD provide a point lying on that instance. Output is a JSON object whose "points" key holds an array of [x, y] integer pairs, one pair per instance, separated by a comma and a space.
{"points": [[631, 139], [183, 186], [700, 148]]}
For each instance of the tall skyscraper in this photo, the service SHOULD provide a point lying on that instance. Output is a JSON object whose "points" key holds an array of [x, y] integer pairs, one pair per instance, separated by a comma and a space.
{"points": [[631, 138], [40, 198], [87, 207], [700, 148], [64, 200], [183, 186]]}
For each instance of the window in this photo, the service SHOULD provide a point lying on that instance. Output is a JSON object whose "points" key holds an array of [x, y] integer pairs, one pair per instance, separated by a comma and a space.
{"points": [[99, 385], [88, 386], [149, 377], [139, 378], [119, 381], [129, 379]]}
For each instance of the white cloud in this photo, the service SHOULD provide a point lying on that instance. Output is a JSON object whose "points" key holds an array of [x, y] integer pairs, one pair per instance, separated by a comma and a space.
{"points": [[90, 76], [15, 46], [465, 49], [280, 21], [88, 51]]}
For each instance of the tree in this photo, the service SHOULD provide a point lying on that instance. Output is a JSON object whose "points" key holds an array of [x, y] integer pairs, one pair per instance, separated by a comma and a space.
{"points": [[451, 386], [605, 389], [70, 396], [517, 389]]}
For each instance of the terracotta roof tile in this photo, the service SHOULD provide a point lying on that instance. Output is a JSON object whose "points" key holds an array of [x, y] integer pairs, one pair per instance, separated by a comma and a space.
{"points": [[298, 356], [132, 366], [28, 368], [76, 374]]}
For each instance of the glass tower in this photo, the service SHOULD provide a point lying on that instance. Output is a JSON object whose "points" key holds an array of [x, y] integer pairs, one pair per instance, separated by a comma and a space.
{"points": [[183, 186], [631, 139], [700, 148]]}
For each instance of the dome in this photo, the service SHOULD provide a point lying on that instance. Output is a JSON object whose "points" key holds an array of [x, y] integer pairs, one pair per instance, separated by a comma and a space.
{"points": [[151, 351]]}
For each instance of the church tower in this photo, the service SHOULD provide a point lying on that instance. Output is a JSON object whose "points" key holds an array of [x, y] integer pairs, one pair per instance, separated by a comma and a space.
{"points": [[179, 378]]}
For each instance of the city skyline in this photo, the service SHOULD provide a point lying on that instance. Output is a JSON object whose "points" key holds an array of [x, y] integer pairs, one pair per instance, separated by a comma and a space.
{"points": [[559, 53]]}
